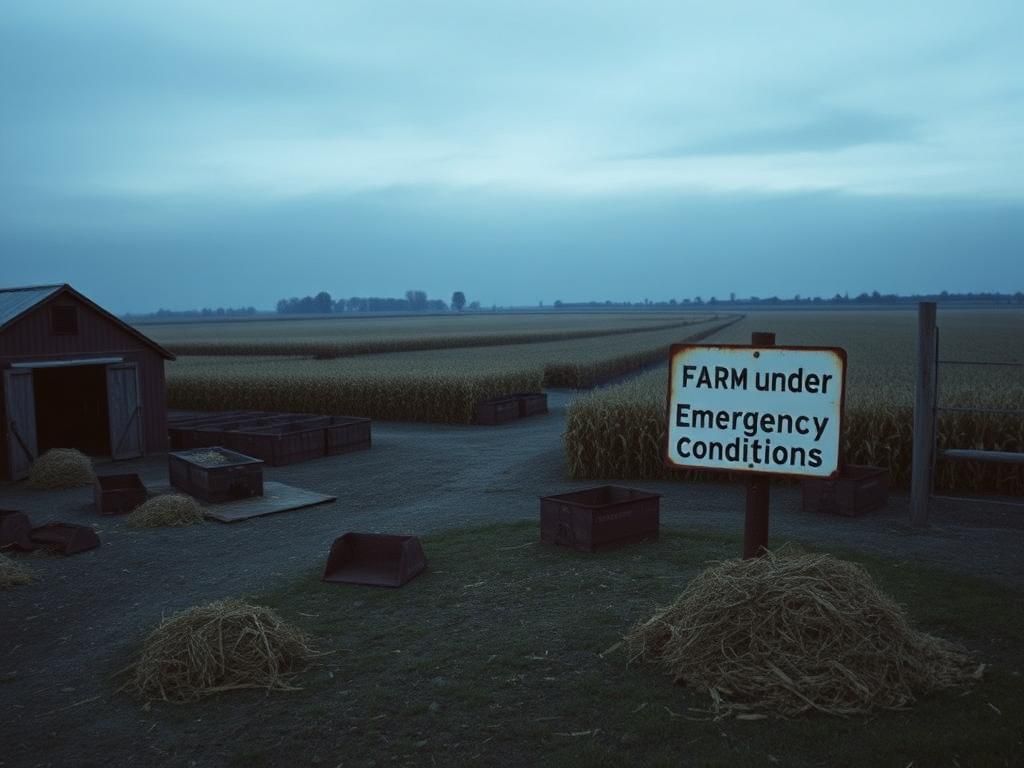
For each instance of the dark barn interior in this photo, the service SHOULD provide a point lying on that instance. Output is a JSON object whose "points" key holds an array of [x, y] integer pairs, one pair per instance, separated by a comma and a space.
{"points": [[71, 408]]}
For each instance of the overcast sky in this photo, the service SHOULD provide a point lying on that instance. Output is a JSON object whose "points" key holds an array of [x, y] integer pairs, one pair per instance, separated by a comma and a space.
{"points": [[218, 152]]}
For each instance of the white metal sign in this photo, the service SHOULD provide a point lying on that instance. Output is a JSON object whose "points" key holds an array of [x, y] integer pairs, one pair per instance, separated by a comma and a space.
{"points": [[772, 410]]}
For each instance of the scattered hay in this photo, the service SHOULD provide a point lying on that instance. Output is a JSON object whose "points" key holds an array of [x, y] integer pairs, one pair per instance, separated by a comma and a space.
{"points": [[171, 509], [61, 468], [13, 573], [784, 634], [222, 646], [207, 457]]}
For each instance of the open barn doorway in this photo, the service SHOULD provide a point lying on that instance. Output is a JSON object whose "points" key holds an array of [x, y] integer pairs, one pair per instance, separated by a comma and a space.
{"points": [[91, 405], [71, 409]]}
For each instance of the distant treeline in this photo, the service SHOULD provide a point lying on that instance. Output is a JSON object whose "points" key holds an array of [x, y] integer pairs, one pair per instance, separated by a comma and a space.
{"points": [[417, 301], [839, 299], [173, 314], [323, 303]]}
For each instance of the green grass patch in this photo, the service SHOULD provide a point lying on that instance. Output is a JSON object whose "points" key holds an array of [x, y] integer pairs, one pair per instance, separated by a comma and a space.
{"points": [[494, 655]]}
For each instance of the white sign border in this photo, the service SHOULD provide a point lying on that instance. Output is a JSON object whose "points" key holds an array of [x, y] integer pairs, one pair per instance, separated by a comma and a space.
{"points": [[675, 349]]}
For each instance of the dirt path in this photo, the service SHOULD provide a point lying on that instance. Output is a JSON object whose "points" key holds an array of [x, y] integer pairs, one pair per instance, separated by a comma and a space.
{"points": [[61, 636]]}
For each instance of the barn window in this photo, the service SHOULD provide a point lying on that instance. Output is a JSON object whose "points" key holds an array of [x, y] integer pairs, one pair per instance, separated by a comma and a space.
{"points": [[64, 319]]}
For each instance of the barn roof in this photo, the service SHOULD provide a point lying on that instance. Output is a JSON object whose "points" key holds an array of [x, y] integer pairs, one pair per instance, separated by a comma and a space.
{"points": [[15, 302]]}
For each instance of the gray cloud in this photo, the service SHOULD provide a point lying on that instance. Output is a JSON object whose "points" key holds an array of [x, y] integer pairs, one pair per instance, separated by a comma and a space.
{"points": [[517, 250], [834, 129], [618, 144]]}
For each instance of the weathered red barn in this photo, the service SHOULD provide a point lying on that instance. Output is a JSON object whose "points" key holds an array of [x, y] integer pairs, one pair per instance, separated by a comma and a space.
{"points": [[75, 376]]}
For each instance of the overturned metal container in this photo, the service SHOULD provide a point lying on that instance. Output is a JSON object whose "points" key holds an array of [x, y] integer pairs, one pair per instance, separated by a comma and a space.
{"points": [[374, 559], [65, 538], [598, 518], [118, 494], [14, 530]]}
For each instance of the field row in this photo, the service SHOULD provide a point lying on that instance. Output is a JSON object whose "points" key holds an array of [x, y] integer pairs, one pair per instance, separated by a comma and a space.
{"points": [[345, 337], [435, 385], [619, 432]]}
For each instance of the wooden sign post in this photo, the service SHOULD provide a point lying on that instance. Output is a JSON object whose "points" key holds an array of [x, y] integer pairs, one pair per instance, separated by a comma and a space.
{"points": [[761, 410], [755, 522]]}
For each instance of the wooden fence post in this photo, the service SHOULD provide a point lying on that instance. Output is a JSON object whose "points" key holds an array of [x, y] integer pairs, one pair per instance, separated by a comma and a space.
{"points": [[924, 415]]}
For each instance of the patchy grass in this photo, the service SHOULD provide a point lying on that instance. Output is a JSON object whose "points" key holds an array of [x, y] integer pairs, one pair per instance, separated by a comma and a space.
{"points": [[493, 656]]}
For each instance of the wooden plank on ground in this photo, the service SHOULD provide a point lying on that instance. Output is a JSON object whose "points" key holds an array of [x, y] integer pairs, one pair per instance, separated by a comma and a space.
{"points": [[277, 497]]}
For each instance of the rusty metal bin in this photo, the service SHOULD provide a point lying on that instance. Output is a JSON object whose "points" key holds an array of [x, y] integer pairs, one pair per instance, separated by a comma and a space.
{"points": [[65, 538], [216, 474], [531, 403], [15, 529], [598, 518], [118, 494], [374, 559], [857, 490], [498, 410]]}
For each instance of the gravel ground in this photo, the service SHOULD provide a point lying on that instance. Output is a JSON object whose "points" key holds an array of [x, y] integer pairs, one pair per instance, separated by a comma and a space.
{"points": [[62, 636]]}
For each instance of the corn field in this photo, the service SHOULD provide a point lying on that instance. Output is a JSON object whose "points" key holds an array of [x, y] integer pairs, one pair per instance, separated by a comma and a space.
{"points": [[345, 337], [308, 386], [441, 385], [619, 432], [430, 385]]}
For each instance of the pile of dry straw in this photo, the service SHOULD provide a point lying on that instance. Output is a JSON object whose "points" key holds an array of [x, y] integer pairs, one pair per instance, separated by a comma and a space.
{"points": [[61, 468], [172, 509], [221, 646], [786, 634], [12, 573]]}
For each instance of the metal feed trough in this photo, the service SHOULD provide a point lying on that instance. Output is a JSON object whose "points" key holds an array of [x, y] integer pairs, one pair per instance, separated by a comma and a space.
{"points": [[216, 474], [214, 433], [374, 559], [181, 430], [599, 517], [283, 442], [276, 438]]}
